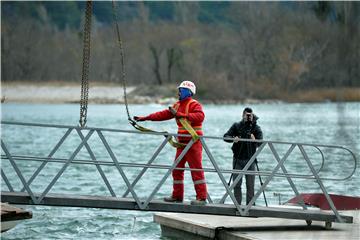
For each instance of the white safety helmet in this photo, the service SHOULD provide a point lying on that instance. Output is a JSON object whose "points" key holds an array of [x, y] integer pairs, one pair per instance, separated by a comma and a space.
{"points": [[189, 85]]}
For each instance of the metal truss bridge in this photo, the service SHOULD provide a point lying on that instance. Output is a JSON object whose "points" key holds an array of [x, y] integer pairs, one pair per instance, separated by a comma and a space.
{"points": [[27, 193]]}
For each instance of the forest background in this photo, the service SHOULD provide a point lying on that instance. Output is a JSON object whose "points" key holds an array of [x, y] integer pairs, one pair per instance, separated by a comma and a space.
{"points": [[292, 51]]}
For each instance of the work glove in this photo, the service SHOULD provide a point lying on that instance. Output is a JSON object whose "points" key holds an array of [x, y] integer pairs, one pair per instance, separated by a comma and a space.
{"points": [[139, 119], [180, 115], [177, 114], [172, 110]]}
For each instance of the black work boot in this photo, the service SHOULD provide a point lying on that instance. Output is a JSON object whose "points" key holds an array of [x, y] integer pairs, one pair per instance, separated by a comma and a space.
{"points": [[172, 199]]}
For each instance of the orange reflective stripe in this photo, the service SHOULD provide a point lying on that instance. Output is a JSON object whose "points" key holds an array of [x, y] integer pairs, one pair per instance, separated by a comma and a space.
{"points": [[176, 106], [188, 105], [184, 125]]}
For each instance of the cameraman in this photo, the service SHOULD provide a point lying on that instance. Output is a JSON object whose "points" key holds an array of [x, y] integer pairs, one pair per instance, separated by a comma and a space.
{"points": [[243, 151]]}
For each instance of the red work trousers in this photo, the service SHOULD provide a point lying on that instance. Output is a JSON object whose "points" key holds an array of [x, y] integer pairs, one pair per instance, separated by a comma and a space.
{"points": [[193, 157]]}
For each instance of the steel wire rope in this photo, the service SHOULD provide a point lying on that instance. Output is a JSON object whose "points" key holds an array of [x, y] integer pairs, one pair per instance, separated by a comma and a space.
{"points": [[171, 141], [122, 57]]}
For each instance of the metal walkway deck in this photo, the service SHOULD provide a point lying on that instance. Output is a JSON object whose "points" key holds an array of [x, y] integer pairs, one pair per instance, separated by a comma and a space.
{"points": [[14, 163], [161, 206]]}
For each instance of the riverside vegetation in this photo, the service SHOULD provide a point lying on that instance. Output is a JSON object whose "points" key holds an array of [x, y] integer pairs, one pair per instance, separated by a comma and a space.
{"points": [[233, 51]]}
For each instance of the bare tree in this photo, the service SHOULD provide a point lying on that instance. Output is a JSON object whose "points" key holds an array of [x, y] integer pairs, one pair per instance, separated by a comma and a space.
{"points": [[156, 54]]}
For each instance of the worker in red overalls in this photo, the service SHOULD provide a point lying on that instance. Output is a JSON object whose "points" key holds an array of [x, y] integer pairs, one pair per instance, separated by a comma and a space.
{"points": [[191, 110]]}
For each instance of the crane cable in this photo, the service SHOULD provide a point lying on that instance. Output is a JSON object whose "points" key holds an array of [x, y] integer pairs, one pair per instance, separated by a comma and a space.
{"points": [[185, 124], [123, 75], [122, 57]]}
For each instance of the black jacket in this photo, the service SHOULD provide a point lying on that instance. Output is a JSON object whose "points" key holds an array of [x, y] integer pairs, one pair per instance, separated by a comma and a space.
{"points": [[242, 129]]}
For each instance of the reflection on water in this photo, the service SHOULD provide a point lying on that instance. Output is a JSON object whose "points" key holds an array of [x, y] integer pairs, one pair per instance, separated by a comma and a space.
{"points": [[325, 123], [348, 125]]}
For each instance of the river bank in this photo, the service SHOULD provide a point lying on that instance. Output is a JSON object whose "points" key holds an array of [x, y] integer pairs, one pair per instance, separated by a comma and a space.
{"points": [[110, 93]]}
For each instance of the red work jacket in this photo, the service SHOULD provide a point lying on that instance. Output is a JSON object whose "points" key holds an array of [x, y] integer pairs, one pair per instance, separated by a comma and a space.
{"points": [[189, 109]]}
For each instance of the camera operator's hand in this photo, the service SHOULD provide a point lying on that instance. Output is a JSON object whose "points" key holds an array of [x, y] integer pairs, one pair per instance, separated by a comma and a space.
{"points": [[252, 136], [236, 139]]}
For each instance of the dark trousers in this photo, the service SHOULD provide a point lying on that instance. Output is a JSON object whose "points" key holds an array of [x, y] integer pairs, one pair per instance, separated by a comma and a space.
{"points": [[250, 181]]}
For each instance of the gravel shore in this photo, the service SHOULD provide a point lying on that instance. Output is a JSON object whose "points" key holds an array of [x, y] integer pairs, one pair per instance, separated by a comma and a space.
{"points": [[108, 94], [99, 93], [60, 94], [28, 93]]}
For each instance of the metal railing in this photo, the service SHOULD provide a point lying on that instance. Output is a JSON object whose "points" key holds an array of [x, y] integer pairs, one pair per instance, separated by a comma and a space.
{"points": [[143, 203]]}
